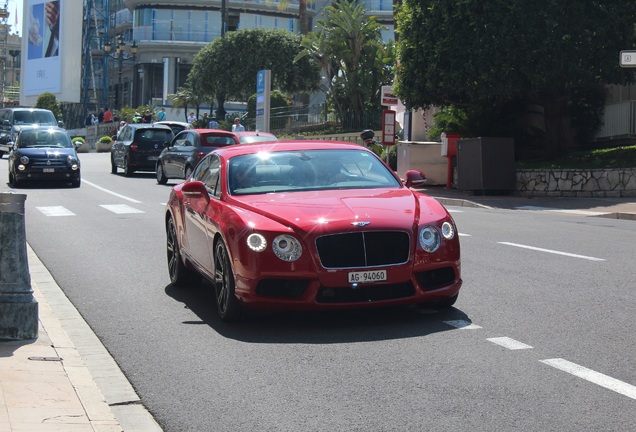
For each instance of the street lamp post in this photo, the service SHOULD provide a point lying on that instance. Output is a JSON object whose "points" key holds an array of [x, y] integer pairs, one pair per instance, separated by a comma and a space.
{"points": [[120, 55]]}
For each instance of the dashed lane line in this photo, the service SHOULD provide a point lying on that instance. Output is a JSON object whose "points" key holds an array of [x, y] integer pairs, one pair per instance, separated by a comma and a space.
{"points": [[509, 343], [462, 324], [577, 212], [552, 251], [111, 192], [592, 376]]}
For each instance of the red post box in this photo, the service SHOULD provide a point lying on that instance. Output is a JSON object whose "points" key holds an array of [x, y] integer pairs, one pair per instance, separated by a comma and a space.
{"points": [[449, 150]]}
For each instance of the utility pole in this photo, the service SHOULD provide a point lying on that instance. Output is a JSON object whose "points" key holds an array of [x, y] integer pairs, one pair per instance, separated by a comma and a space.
{"points": [[4, 32]]}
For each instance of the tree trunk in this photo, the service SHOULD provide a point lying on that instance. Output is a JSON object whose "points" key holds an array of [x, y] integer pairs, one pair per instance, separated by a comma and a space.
{"points": [[220, 111]]}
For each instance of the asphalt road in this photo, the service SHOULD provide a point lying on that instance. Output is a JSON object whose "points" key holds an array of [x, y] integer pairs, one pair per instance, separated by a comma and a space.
{"points": [[541, 338]]}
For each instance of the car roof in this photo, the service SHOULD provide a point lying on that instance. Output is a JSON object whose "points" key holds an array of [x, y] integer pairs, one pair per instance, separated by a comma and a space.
{"points": [[149, 126], [25, 109], [36, 127], [290, 145]]}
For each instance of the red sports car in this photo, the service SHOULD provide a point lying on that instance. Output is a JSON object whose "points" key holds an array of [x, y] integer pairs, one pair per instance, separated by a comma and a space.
{"points": [[309, 225]]}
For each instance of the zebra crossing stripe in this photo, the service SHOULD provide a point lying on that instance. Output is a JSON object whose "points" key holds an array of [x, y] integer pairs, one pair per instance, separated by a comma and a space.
{"points": [[121, 208], [55, 211]]}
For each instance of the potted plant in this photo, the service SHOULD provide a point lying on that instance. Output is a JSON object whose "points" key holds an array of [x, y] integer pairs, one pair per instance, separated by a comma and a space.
{"points": [[104, 144], [84, 147]]}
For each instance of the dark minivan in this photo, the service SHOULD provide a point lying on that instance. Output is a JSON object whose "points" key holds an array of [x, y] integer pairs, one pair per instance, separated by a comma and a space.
{"points": [[138, 146]]}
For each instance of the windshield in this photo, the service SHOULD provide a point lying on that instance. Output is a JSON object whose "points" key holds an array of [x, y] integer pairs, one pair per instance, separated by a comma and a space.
{"points": [[44, 139], [307, 170], [44, 118]]}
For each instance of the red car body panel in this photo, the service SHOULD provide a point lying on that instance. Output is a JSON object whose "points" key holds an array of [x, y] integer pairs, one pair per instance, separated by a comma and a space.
{"points": [[307, 215]]}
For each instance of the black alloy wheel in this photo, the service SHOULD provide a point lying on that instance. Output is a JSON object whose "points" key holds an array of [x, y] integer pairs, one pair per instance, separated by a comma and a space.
{"points": [[227, 304], [113, 165], [13, 182], [188, 172], [179, 273]]}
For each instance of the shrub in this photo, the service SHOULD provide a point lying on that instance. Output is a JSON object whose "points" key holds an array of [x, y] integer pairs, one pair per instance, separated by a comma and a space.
{"points": [[80, 139], [106, 140]]}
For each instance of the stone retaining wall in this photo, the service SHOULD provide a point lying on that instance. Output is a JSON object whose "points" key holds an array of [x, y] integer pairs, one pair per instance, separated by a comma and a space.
{"points": [[577, 183]]}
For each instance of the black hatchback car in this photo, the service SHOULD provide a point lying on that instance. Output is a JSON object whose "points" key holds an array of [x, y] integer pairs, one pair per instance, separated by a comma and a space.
{"points": [[42, 154], [138, 146]]}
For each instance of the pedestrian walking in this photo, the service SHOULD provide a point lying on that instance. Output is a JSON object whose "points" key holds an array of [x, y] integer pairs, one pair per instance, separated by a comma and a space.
{"points": [[161, 115], [192, 118], [100, 116]]}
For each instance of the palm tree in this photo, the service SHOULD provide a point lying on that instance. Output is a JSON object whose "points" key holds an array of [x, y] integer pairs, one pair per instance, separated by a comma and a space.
{"points": [[185, 97], [302, 13]]}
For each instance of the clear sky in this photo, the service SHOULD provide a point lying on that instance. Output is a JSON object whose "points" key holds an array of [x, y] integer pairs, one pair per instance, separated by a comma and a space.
{"points": [[14, 6]]}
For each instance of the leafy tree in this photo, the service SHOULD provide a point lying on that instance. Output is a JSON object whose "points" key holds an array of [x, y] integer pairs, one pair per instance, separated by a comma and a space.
{"points": [[504, 55], [216, 72], [348, 47], [49, 101]]}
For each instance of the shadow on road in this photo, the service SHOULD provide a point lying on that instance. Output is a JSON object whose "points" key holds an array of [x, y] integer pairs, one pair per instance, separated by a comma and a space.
{"points": [[328, 327]]}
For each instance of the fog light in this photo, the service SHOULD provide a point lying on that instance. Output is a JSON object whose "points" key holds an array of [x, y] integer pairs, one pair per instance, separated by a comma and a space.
{"points": [[21, 167]]}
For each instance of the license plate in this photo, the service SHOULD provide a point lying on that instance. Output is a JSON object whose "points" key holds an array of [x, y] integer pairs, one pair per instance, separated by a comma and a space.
{"points": [[48, 170], [153, 158], [367, 276]]}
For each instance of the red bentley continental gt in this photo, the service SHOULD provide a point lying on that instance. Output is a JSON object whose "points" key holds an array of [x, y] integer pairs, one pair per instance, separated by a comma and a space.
{"points": [[309, 225]]}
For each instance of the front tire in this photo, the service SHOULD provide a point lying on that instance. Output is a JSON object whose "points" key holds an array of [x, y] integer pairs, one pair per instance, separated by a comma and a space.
{"points": [[13, 182], [227, 304], [161, 176], [188, 172], [179, 274]]}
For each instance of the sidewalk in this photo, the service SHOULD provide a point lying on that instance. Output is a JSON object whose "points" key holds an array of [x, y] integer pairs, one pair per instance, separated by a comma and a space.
{"points": [[615, 208], [65, 380]]}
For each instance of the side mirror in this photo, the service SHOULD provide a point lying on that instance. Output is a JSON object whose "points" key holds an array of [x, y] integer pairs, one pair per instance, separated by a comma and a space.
{"points": [[60, 123], [414, 178], [195, 190]]}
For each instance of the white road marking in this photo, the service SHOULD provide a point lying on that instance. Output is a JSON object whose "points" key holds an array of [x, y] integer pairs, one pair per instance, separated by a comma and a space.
{"points": [[121, 208], [592, 376], [464, 235], [509, 343], [55, 211], [455, 211], [110, 192], [552, 251], [579, 212], [462, 324]]}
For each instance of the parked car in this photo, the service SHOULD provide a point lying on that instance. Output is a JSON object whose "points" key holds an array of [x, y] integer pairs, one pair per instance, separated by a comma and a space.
{"points": [[309, 225], [181, 155], [12, 119], [176, 126], [42, 154], [138, 146]]}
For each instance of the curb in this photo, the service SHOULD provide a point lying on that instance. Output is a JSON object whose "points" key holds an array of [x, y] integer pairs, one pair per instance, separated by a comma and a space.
{"points": [[101, 386]]}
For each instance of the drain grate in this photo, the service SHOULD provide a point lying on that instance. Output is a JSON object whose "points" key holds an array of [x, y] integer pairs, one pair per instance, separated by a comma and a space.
{"points": [[36, 358]]}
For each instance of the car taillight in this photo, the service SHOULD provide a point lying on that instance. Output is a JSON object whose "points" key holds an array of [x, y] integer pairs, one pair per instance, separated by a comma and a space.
{"points": [[201, 154], [134, 146]]}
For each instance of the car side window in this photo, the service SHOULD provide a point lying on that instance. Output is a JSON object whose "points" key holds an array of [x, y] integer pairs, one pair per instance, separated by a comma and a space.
{"points": [[211, 176], [189, 140], [201, 169]]}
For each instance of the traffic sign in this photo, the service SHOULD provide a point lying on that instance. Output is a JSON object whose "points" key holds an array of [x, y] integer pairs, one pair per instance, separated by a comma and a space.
{"points": [[628, 59]]}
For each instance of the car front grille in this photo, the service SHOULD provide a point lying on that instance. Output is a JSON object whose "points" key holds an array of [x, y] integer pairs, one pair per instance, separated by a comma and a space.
{"points": [[48, 162], [365, 294], [363, 249]]}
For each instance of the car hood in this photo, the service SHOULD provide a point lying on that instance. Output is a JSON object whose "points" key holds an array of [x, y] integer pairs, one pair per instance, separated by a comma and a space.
{"points": [[46, 152], [338, 210]]}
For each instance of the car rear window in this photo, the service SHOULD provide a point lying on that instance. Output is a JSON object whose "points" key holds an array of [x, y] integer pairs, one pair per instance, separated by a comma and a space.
{"points": [[158, 136], [217, 141]]}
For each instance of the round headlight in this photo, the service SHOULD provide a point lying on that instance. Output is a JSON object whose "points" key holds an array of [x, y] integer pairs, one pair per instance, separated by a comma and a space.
{"points": [[24, 160], [448, 231], [429, 239], [256, 242], [287, 248]]}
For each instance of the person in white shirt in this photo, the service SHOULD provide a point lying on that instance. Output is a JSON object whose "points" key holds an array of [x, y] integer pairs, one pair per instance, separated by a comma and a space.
{"points": [[192, 118], [237, 126]]}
